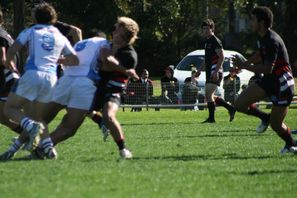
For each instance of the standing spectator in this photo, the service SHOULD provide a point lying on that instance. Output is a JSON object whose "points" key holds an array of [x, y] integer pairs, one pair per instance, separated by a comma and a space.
{"points": [[142, 89], [170, 86], [190, 89], [231, 86]]}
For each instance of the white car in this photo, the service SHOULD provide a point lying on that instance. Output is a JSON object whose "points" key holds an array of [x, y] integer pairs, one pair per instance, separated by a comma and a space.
{"points": [[195, 58]]}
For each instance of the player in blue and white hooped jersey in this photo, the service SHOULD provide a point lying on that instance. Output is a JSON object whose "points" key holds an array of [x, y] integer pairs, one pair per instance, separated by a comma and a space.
{"points": [[46, 45]]}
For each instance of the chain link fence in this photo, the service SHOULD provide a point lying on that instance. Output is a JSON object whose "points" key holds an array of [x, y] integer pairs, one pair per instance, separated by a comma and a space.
{"points": [[186, 96]]}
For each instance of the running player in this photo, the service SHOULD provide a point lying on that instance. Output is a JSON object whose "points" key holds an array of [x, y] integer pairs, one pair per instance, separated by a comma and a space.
{"points": [[213, 62], [277, 82], [113, 84], [34, 88]]}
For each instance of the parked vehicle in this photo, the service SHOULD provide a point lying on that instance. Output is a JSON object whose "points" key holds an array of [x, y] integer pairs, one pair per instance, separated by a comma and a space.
{"points": [[195, 59]]}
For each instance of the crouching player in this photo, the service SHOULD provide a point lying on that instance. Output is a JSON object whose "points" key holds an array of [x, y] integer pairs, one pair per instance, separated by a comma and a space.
{"points": [[277, 82], [113, 84]]}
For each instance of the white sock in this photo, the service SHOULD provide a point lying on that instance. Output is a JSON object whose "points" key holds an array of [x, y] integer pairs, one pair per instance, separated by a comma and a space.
{"points": [[15, 146], [27, 124], [46, 144]]}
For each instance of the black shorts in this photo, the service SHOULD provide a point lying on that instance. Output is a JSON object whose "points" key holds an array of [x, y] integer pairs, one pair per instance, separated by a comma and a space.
{"points": [[218, 82], [5, 89], [279, 89], [104, 95]]}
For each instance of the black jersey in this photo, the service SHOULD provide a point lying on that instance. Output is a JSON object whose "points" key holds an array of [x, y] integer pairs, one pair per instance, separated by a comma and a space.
{"points": [[279, 85], [7, 77], [127, 58], [211, 56], [273, 50]]}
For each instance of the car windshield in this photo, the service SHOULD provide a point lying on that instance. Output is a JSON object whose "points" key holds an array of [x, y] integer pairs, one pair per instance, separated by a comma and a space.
{"points": [[195, 61]]}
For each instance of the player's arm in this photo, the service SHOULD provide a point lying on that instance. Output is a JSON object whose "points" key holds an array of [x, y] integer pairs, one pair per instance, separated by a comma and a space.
{"points": [[11, 52], [260, 68], [2, 55], [255, 58], [220, 53], [110, 63], [69, 60]]}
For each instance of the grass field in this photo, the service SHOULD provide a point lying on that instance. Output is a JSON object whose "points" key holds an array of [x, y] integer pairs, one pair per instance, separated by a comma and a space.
{"points": [[174, 156]]}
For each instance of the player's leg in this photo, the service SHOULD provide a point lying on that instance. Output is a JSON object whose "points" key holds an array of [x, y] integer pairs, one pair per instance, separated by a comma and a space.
{"points": [[277, 116], [245, 103], [209, 96], [221, 102], [5, 121], [109, 115], [71, 121]]}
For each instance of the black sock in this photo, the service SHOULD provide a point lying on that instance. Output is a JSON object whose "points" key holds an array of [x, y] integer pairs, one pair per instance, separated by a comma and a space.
{"points": [[253, 110], [220, 102], [121, 144], [211, 110]]}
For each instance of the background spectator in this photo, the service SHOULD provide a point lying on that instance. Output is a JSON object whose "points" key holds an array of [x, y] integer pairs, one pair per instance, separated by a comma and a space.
{"points": [[190, 89], [231, 86], [170, 86], [140, 91]]}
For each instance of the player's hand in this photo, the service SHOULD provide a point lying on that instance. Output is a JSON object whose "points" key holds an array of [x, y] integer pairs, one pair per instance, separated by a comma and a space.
{"points": [[132, 74]]}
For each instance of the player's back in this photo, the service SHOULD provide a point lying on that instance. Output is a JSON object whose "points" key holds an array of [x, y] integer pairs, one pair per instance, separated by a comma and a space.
{"points": [[87, 51], [46, 44]]}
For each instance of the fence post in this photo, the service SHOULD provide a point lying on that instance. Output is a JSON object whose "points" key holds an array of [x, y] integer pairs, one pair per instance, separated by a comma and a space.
{"points": [[146, 95]]}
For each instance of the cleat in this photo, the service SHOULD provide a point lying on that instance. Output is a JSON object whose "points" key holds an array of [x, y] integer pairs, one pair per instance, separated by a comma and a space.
{"points": [[288, 149], [294, 131], [262, 127], [208, 121], [125, 154], [104, 129], [52, 153], [37, 153], [7, 156], [34, 135], [232, 114], [105, 132]]}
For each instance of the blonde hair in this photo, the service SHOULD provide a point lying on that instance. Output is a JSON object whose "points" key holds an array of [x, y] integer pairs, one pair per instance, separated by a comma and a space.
{"points": [[130, 27]]}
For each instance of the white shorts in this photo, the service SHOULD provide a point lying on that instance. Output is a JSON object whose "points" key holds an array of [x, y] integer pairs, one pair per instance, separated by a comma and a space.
{"points": [[74, 92], [36, 86]]}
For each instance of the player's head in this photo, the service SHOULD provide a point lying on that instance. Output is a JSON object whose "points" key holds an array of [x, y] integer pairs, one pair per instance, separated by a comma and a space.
{"points": [[44, 13], [208, 27], [126, 30], [1, 17], [96, 33], [261, 17]]}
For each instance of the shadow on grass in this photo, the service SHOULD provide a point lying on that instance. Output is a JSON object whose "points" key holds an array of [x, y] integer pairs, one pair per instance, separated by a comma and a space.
{"points": [[205, 157], [263, 172]]}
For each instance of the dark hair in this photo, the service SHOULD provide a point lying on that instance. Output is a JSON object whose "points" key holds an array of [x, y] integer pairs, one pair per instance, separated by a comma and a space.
{"points": [[1, 16], [263, 13], [144, 70], [44, 13], [95, 32], [209, 23]]}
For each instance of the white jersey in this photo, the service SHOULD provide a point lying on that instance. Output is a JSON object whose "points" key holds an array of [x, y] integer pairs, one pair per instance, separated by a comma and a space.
{"points": [[46, 44], [88, 52]]}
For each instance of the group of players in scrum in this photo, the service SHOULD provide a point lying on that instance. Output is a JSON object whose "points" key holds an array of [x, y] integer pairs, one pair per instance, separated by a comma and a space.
{"points": [[96, 72]]}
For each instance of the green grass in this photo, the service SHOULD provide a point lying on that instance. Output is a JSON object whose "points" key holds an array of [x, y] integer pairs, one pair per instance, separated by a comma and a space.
{"points": [[174, 156]]}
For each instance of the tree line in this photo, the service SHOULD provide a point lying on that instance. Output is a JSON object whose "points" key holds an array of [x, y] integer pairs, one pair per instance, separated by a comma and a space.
{"points": [[169, 29]]}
